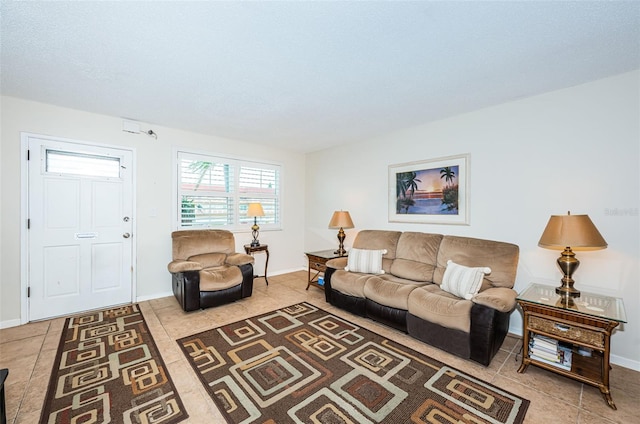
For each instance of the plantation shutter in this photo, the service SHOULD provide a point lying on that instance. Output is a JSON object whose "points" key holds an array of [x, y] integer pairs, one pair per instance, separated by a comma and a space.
{"points": [[214, 192]]}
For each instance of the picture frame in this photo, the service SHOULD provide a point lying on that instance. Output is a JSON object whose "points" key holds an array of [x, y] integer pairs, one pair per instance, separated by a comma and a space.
{"points": [[433, 191]]}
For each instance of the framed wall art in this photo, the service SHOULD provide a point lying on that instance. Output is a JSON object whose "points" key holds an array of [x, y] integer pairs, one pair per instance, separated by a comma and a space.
{"points": [[434, 191]]}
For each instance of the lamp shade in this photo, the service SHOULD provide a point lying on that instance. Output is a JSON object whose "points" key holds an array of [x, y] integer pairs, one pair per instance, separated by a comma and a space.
{"points": [[341, 219], [255, 209], [575, 231]]}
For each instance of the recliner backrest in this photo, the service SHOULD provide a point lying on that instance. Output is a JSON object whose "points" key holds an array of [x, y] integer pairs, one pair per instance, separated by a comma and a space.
{"points": [[187, 243], [378, 240], [501, 257], [416, 256]]}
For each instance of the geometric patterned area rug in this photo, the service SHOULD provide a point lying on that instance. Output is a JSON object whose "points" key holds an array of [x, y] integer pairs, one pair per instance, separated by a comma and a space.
{"points": [[303, 364], [108, 370]]}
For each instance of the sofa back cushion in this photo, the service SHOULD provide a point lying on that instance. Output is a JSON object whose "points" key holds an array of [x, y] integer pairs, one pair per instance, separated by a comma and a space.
{"points": [[187, 243], [501, 257], [416, 256], [365, 261], [379, 240]]}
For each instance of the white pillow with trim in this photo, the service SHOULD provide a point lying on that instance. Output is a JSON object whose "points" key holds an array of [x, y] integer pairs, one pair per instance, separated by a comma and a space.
{"points": [[365, 260], [463, 281]]}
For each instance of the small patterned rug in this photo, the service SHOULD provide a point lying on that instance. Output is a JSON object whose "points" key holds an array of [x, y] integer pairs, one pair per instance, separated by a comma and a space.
{"points": [[303, 364], [108, 370]]}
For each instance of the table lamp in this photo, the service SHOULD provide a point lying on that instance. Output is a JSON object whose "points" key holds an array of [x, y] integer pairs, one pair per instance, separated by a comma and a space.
{"points": [[255, 210], [567, 232], [341, 220]]}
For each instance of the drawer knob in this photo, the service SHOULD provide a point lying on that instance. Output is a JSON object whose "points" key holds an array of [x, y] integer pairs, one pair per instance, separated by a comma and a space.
{"points": [[562, 327]]}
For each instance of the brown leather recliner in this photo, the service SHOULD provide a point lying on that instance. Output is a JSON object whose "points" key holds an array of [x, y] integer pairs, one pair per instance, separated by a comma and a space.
{"points": [[207, 271]]}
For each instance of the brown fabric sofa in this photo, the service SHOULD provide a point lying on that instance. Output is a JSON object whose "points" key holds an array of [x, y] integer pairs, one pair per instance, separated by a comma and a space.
{"points": [[206, 270], [408, 295]]}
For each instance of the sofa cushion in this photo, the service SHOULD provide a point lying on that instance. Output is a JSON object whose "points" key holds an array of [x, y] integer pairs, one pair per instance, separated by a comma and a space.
{"points": [[208, 260], [388, 293], [350, 283], [180, 265], [366, 261], [239, 259], [501, 257], [499, 298], [463, 281], [435, 305], [220, 278], [416, 256]]}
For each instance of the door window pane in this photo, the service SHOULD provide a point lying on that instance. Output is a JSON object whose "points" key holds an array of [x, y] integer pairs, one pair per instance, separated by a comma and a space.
{"points": [[60, 162]]}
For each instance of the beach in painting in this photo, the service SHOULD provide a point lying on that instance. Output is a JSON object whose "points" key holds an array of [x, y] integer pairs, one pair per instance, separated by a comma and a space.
{"points": [[423, 191]]}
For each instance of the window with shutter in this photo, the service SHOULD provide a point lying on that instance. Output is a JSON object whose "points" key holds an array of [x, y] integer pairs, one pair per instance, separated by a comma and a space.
{"points": [[214, 192]]}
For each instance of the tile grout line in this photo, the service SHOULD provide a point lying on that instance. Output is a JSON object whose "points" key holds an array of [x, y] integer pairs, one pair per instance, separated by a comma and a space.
{"points": [[30, 381]]}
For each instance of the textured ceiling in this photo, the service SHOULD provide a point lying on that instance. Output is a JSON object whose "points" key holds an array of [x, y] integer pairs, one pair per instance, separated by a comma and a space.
{"points": [[306, 75]]}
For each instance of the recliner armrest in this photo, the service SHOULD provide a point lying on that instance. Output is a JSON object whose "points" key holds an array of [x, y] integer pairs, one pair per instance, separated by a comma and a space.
{"points": [[499, 298], [180, 265], [239, 259], [337, 263]]}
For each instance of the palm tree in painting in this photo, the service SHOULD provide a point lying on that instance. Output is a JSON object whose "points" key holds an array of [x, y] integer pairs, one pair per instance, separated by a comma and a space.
{"points": [[450, 192], [403, 205], [406, 186], [448, 174]]}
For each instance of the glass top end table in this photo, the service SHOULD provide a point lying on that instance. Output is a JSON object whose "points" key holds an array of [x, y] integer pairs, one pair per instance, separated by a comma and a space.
{"points": [[570, 336], [587, 303]]}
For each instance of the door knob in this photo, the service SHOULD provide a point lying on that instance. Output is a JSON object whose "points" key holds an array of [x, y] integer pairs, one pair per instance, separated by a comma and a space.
{"points": [[126, 235]]}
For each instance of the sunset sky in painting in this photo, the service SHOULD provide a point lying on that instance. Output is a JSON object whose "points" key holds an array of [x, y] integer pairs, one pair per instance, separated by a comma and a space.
{"points": [[430, 179]]}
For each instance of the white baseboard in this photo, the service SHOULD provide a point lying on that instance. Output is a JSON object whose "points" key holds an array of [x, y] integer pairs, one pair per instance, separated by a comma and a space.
{"points": [[153, 296], [10, 323], [614, 359], [286, 271], [625, 362]]}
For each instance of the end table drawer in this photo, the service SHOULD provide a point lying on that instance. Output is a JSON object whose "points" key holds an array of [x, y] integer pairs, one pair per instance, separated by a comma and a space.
{"points": [[571, 332], [319, 266]]}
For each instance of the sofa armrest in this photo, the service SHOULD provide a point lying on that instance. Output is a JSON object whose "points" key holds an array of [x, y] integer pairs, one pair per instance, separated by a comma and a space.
{"points": [[337, 263], [181, 265], [499, 298], [239, 259]]}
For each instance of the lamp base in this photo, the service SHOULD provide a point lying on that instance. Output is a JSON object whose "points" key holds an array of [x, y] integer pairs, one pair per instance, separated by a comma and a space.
{"points": [[341, 236], [567, 291], [568, 263], [566, 302], [255, 233]]}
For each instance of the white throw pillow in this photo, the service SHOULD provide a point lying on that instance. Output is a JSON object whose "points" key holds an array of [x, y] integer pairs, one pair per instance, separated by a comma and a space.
{"points": [[463, 281], [365, 261]]}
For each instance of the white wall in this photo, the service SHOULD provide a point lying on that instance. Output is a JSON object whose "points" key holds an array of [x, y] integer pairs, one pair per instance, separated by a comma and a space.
{"points": [[154, 191], [575, 149]]}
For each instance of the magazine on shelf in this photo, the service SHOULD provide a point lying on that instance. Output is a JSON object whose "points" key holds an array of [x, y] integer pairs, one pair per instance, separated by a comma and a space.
{"points": [[545, 342], [550, 351], [553, 363]]}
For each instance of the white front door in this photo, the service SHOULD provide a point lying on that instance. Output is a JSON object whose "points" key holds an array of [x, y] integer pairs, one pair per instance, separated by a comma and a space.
{"points": [[80, 227]]}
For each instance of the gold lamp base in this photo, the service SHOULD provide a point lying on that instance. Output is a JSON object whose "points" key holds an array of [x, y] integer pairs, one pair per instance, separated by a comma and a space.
{"points": [[341, 236], [568, 263], [254, 232]]}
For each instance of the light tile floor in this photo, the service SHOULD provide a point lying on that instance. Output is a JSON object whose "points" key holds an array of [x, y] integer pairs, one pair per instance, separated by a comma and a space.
{"points": [[29, 352]]}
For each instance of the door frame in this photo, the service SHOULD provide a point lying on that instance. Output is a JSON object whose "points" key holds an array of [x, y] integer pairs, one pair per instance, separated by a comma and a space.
{"points": [[24, 214]]}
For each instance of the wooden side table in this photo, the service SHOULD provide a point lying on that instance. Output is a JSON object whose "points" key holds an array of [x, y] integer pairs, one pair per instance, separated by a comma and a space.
{"points": [[250, 250], [582, 326], [317, 264]]}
